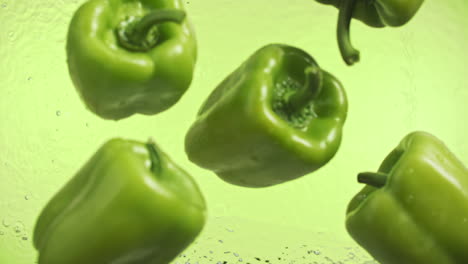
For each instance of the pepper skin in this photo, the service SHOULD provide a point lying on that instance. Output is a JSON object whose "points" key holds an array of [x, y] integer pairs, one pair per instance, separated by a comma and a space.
{"points": [[128, 204], [127, 57], [374, 13], [275, 118], [415, 209]]}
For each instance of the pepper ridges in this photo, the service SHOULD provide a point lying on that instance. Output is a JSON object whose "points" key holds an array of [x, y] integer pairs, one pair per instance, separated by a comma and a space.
{"points": [[415, 208], [130, 203], [275, 118], [130, 56]]}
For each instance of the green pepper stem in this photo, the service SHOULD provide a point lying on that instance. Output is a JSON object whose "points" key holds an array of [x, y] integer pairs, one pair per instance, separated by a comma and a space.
{"points": [[142, 34], [154, 157], [376, 179], [349, 54], [310, 90]]}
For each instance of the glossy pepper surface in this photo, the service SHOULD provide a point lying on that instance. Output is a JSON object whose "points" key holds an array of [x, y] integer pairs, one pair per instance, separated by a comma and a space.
{"points": [[415, 208], [128, 204], [128, 57], [374, 13], [275, 118]]}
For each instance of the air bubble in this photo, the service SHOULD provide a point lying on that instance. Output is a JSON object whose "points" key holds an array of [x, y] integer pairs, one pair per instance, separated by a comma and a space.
{"points": [[58, 113]]}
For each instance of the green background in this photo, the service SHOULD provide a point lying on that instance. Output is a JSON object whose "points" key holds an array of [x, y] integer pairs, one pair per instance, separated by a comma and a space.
{"points": [[409, 78]]}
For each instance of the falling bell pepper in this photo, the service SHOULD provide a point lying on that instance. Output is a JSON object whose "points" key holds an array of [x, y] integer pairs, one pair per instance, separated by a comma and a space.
{"points": [[374, 13], [277, 117], [127, 57], [128, 204], [415, 208]]}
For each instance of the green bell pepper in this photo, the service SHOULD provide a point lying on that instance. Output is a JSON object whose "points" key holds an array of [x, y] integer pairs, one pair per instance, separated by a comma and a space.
{"points": [[127, 57], [415, 208], [275, 118], [374, 13], [128, 204]]}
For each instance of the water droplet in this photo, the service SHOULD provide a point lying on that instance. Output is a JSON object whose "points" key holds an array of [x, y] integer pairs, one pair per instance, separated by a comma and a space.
{"points": [[18, 228], [26, 197], [29, 78], [58, 113], [220, 241], [235, 254], [24, 238], [240, 259], [5, 223], [316, 252]]}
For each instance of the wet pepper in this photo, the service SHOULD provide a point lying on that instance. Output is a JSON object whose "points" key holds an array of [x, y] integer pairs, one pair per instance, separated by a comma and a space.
{"points": [[275, 118], [127, 57], [374, 13], [128, 204], [415, 208]]}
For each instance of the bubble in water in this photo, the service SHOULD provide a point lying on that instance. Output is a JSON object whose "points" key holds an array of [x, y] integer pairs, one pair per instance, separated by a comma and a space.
{"points": [[316, 252], [29, 78], [58, 113]]}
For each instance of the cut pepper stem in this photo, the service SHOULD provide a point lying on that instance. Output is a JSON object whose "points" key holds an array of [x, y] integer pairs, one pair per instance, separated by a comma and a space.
{"points": [[142, 34], [154, 157], [349, 54], [311, 88], [376, 179]]}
